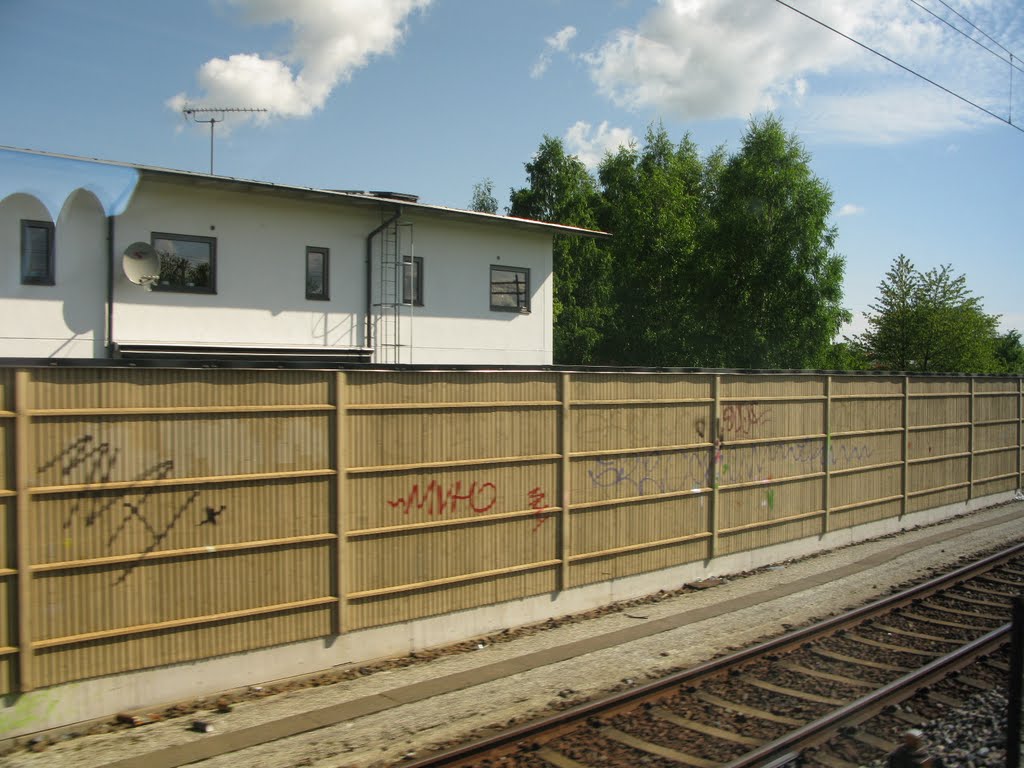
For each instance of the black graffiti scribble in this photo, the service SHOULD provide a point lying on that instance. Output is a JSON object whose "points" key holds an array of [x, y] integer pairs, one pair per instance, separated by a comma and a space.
{"points": [[212, 515], [98, 456], [156, 537], [98, 508]]}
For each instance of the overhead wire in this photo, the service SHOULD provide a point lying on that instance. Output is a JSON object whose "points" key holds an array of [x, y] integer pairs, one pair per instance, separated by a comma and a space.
{"points": [[973, 40], [904, 67], [954, 10]]}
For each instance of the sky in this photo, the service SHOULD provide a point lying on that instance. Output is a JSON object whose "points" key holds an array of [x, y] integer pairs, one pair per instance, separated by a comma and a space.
{"points": [[431, 97]]}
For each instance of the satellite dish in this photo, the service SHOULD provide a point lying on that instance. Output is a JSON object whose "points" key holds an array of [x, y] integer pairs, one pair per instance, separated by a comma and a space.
{"points": [[141, 264]]}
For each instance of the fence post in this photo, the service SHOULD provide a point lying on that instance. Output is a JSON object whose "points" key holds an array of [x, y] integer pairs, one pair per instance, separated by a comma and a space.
{"points": [[828, 454], [341, 495], [716, 459], [970, 446], [565, 471], [1020, 430], [22, 423], [905, 476]]}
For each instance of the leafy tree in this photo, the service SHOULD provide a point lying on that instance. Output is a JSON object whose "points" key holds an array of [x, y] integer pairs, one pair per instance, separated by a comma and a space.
{"points": [[484, 200], [1009, 353], [770, 278], [561, 190], [844, 355], [727, 261], [930, 321], [890, 341], [652, 204]]}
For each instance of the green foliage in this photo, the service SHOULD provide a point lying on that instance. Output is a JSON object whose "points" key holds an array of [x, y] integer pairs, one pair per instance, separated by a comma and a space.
{"points": [[561, 190], [727, 261], [930, 321], [771, 278], [652, 203], [484, 200], [1009, 353]]}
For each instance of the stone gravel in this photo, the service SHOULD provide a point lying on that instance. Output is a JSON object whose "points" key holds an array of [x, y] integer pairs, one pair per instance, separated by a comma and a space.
{"points": [[412, 729]]}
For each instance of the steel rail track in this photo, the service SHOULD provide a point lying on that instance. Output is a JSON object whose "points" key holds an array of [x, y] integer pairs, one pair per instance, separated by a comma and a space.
{"points": [[863, 708], [547, 728]]}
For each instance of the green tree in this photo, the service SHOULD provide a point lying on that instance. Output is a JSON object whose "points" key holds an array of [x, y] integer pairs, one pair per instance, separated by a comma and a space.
{"points": [[1009, 353], [929, 321], [484, 200], [770, 278], [652, 203], [890, 341], [561, 190]]}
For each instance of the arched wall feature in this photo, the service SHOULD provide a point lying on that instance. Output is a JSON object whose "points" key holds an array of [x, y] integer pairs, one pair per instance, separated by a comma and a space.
{"points": [[54, 179], [65, 319]]}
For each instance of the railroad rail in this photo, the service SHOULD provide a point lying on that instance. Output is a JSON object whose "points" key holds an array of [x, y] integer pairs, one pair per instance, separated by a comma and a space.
{"points": [[765, 704]]}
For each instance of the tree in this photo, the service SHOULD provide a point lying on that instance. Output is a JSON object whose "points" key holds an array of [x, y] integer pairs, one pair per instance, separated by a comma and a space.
{"points": [[890, 342], [652, 203], [1009, 353], [484, 200], [770, 278], [728, 261], [929, 321], [561, 190]]}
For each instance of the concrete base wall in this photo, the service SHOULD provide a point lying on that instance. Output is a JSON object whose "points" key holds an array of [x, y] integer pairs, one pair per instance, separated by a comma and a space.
{"points": [[100, 697]]}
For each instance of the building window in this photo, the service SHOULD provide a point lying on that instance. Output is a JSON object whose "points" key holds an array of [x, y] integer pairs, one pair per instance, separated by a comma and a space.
{"points": [[317, 284], [412, 280], [37, 252], [188, 263], [510, 289]]}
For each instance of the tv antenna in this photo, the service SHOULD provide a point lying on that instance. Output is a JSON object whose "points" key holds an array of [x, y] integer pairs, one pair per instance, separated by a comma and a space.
{"points": [[191, 112]]}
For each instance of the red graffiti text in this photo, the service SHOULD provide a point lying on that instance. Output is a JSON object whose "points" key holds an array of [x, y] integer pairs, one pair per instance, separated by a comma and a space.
{"points": [[436, 499]]}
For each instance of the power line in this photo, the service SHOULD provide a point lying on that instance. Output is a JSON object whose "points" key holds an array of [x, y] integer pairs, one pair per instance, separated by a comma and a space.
{"points": [[951, 8], [904, 67], [976, 42]]}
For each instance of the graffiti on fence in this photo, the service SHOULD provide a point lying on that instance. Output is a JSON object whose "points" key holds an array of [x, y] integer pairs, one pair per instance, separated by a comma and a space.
{"points": [[698, 470], [94, 462], [536, 498], [437, 498], [739, 420], [742, 418]]}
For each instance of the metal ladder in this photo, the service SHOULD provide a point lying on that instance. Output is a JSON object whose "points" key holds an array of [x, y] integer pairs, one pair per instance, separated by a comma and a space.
{"points": [[395, 260]]}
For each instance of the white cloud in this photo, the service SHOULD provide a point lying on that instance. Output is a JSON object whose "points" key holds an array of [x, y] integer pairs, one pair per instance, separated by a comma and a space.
{"points": [[331, 39], [849, 209], [590, 146], [558, 42], [708, 59]]}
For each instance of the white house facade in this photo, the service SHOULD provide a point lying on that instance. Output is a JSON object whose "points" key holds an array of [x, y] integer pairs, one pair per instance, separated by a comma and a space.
{"points": [[257, 270]]}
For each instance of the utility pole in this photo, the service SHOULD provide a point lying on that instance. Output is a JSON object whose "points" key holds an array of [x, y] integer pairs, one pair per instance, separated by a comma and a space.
{"points": [[191, 112]]}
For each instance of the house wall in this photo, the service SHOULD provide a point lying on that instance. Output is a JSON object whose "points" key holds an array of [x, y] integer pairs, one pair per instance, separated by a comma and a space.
{"points": [[260, 300], [456, 324], [62, 320], [260, 270]]}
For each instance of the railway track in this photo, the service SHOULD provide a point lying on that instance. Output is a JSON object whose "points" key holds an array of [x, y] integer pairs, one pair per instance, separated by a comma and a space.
{"points": [[812, 691]]}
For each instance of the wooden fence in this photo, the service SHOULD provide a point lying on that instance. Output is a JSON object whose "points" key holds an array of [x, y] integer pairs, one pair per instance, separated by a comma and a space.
{"points": [[152, 516]]}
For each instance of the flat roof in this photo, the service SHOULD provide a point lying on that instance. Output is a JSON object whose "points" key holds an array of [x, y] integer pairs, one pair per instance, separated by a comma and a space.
{"points": [[363, 199]]}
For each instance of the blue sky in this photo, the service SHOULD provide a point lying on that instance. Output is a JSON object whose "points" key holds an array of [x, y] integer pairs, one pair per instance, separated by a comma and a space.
{"points": [[432, 96]]}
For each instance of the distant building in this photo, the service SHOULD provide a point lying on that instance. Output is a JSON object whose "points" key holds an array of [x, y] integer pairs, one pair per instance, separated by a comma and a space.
{"points": [[260, 270]]}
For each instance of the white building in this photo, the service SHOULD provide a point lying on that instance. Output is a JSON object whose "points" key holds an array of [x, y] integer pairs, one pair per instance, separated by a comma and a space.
{"points": [[261, 270]]}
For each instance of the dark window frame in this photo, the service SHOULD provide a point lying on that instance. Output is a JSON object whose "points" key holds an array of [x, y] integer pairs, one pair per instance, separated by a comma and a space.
{"points": [[49, 277], [325, 292], [210, 241], [522, 298], [415, 282]]}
